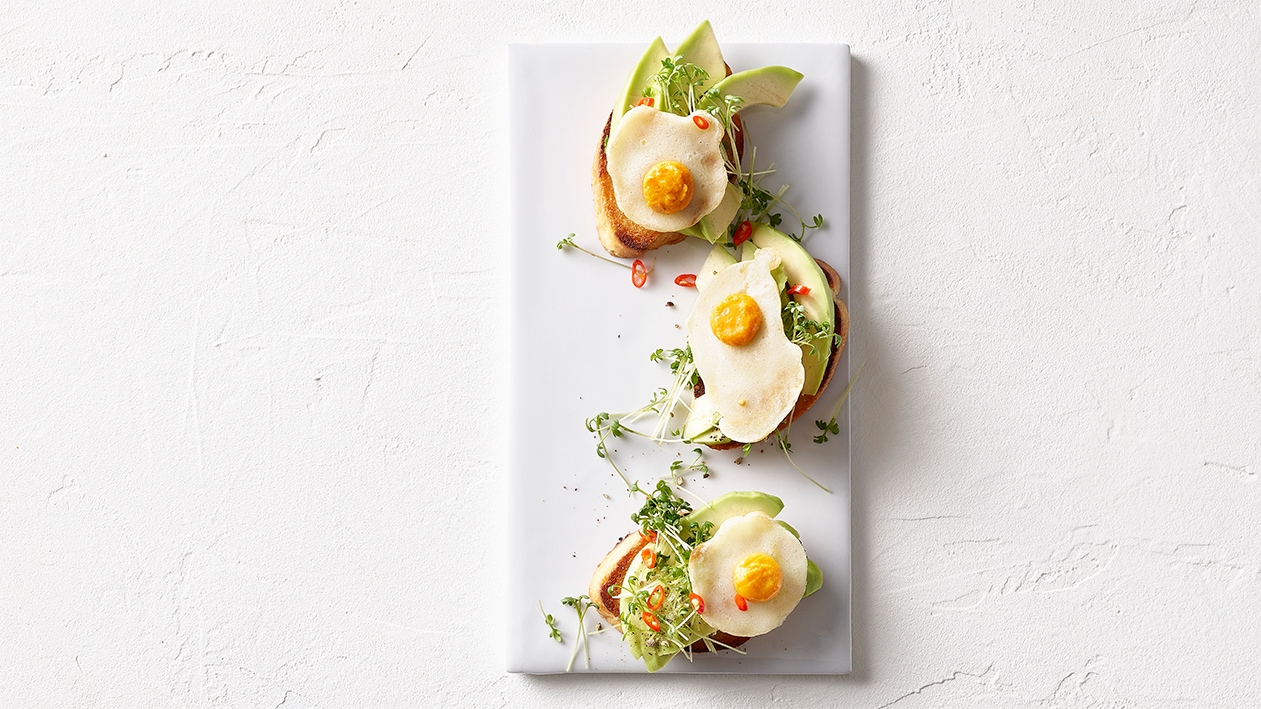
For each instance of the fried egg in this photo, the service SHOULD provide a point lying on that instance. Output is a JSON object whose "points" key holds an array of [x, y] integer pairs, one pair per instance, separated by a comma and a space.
{"points": [[751, 561], [753, 374], [667, 170]]}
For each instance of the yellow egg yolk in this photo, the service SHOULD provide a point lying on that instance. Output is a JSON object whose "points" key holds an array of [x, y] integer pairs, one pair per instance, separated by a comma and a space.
{"points": [[668, 187], [758, 578], [735, 320]]}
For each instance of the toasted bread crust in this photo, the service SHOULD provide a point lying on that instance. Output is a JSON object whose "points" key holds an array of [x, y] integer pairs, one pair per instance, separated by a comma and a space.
{"points": [[612, 571], [620, 236], [805, 401]]}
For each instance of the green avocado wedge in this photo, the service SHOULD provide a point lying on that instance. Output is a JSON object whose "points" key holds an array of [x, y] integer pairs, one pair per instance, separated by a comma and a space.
{"points": [[713, 226], [737, 504], [764, 86], [814, 578], [649, 65], [718, 259], [701, 48], [801, 269]]}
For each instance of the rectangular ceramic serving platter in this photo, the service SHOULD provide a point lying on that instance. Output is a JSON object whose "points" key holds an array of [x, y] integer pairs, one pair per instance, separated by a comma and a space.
{"points": [[581, 341]]}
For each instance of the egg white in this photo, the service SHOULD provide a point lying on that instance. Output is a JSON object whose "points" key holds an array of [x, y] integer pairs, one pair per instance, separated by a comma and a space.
{"points": [[646, 136], [767, 374], [713, 563]]}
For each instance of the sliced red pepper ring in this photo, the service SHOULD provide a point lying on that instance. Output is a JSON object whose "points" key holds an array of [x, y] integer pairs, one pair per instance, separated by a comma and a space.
{"points": [[700, 122], [686, 280], [645, 101], [639, 273], [799, 290], [741, 603], [698, 603], [651, 621], [650, 557], [657, 597], [742, 233]]}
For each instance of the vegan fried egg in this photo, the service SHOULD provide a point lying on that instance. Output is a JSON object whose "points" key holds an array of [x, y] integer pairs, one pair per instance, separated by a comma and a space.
{"points": [[758, 560], [667, 170], [753, 374]]}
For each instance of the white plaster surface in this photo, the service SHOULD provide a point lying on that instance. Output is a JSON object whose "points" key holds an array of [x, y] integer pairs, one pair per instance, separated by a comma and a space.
{"points": [[252, 371]]}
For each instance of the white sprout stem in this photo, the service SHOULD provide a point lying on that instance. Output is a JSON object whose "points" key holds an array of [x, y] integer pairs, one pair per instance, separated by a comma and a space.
{"points": [[694, 497], [726, 646], [670, 541], [845, 394], [783, 446], [672, 399], [586, 646], [608, 455], [573, 655], [592, 253]]}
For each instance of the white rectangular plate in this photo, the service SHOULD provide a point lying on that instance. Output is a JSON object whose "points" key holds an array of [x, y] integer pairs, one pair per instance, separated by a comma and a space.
{"points": [[581, 339]]}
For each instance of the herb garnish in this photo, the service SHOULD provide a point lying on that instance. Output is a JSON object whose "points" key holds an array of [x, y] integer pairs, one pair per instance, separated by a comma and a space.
{"points": [[803, 331], [659, 617], [831, 426], [581, 605], [551, 624], [568, 241], [781, 438], [678, 469]]}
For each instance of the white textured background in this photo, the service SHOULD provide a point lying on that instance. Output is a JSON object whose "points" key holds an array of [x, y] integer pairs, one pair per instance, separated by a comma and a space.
{"points": [[252, 369]]}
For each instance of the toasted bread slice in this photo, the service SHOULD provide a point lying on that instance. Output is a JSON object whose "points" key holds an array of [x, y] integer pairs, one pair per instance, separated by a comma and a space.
{"points": [[805, 401], [612, 571], [619, 235]]}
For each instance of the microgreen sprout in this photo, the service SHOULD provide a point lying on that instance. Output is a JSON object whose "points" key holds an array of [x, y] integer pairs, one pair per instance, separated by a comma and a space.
{"points": [[827, 427], [756, 202], [678, 469], [831, 426], [676, 85], [781, 439], [801, 330], [551, 624], [685, 376], [581, 605], [568, 242], [657, 614]]}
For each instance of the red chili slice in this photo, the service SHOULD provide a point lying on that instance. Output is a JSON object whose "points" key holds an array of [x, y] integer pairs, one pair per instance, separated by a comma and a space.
{"points": [[687, 280], [700, 122], [799, 290], [645, 101], [639, 273], [742, 233], [698, 603], [657, 597], [741, 603], [651, 621], [650, 558]]}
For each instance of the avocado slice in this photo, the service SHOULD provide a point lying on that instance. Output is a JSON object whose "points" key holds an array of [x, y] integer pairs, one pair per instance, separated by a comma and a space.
{"points": [[801, 269], [718, 259], [814, 575], [701, 48], [713, 226], [701, 425], [649, 65], [737, 504], [767, 85], [814, 578]]}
